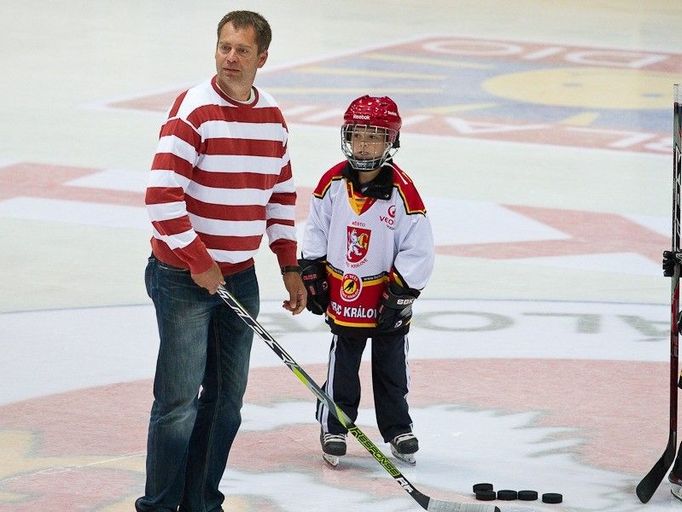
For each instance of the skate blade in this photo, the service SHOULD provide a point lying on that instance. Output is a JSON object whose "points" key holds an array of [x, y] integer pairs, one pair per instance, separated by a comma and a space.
{"points": [[676, 490], [407, 458], [332, 460]]}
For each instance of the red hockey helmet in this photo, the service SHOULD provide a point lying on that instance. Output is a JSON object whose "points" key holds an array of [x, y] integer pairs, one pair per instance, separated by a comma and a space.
{"points": [[374, 111], [371, 114]]}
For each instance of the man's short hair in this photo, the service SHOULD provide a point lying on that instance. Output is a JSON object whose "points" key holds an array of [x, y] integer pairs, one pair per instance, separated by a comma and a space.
{"points": [[243, 19]]}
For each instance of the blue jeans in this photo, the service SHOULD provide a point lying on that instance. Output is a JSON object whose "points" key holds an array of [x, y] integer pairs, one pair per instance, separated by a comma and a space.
{"points": [[203, 344]]}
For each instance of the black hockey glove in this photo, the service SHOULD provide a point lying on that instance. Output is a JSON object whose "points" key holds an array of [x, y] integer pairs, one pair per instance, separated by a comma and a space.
{"points": [[395, 310], [314, 275], [670, 259]]}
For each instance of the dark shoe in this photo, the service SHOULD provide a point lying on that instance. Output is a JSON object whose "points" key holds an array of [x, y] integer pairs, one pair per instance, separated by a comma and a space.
{"points": [[404, 446], [333, 444], [405, 443], [139, 507]]}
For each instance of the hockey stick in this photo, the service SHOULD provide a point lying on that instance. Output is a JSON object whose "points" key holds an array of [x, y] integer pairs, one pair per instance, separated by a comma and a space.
{"points": [[651, 481], [677, 167], [425, 501]]}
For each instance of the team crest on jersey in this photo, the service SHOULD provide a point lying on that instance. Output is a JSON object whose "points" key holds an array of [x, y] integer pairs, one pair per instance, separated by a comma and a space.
{"points": [[357, 244], [351, 287]]}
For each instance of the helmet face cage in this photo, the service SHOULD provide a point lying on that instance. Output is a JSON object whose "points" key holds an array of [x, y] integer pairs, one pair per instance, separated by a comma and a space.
{"points": [[365, 118], [355, 137]]}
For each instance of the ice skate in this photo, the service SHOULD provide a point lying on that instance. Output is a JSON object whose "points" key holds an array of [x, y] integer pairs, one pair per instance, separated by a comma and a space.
{"points": [[404, 446], [333, 447], [675, 485]]}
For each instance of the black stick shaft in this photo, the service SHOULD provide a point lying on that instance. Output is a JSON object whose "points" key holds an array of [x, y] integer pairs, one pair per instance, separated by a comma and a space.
{"points": [[648, 485]]}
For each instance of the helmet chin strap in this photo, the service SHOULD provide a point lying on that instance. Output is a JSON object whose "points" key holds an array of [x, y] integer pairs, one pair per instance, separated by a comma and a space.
{"points": [[365, 165]]}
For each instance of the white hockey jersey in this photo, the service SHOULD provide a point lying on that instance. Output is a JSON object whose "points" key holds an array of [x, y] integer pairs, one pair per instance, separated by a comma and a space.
{"points": [[368, 243]]}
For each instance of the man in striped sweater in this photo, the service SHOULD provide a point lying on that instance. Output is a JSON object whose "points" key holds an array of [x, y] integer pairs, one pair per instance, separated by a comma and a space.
{"points": [[220, 180]]}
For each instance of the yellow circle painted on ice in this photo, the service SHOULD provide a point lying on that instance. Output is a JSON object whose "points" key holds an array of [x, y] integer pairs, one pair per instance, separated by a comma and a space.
{"points": [[586, 87]]}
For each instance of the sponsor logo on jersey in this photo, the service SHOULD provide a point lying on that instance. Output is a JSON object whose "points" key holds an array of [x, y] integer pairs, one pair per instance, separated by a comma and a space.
{"points": [[389, 218], [357, 244], [351, 287]]}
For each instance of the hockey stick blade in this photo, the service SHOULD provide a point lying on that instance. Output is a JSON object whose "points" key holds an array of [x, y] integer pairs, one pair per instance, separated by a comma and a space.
{"points": [[426, 502], [449, 506], [647, 487]]}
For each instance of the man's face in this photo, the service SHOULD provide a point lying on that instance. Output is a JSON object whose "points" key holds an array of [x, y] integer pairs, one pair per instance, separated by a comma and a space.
{"points": [[237, 59]]}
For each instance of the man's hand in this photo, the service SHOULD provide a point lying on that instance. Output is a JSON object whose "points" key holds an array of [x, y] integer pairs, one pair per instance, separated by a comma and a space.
{"points": [[211, 279], [297, 294]]}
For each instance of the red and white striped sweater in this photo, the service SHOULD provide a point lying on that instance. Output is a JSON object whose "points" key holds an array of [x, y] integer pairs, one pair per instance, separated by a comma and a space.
{"points": [[220, 179]]}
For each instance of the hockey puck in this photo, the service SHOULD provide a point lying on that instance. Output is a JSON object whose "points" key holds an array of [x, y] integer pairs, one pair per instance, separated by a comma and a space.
{"points": [[552, 497], [485, 495], [483, 487], [528, 495], [506, 495]]}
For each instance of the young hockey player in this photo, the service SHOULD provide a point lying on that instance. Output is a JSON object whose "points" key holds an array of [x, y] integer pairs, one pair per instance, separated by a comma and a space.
{"points": [[366, 255]]}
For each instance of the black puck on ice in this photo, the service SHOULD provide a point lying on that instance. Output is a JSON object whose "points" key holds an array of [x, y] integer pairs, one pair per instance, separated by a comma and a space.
{"points": [[485, 495], [506, 495], [528, 495], [552, 497], [483, 487]]}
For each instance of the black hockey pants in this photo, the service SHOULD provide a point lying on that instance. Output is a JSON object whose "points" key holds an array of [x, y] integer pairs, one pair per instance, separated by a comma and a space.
{"points": [[390, 382]]}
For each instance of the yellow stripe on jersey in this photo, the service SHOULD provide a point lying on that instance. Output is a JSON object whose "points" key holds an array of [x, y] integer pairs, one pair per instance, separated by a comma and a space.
{"points": [[366, 281], [358, 202]]}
